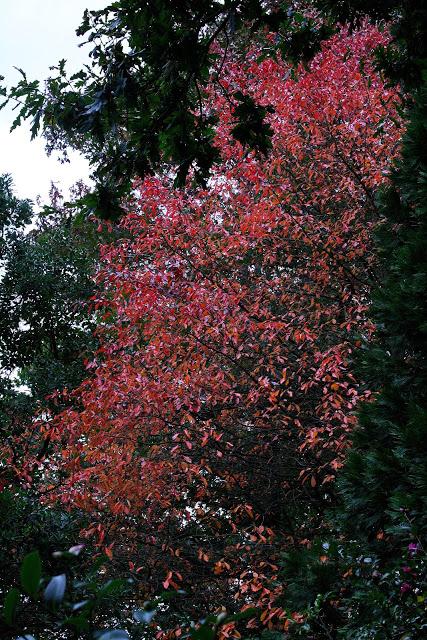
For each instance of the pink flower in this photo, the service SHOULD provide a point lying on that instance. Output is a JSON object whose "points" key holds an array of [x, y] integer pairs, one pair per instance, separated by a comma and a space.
{"points": [[405, 587]]}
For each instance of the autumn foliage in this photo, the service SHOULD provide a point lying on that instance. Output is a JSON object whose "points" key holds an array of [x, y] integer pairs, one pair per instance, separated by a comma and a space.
{"points": [[208, 433]]}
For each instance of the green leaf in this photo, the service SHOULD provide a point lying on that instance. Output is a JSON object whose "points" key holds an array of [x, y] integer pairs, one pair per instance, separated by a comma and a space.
{"points": [[204, 632], [23, 74], [9, 607], [31, 573], [36, 124], [112, 587], [79, 622]]}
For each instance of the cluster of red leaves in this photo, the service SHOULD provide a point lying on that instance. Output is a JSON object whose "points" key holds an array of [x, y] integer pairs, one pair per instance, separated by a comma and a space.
{"points": [[218, 409]]}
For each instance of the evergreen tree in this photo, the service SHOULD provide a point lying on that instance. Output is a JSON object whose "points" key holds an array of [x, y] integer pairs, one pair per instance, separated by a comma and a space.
{"points": [[386, 472]]}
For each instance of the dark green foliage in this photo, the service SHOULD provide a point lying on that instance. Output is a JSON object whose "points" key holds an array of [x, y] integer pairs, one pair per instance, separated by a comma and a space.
{"points": [[14, 213], [300, 37], [139, 101], [78, 601], [45, 324], [251, 127], [405, 60], [15, 409], [26, 526], [350, 590], [384, 485], [350, 10], [31, 573], [308, 573]]}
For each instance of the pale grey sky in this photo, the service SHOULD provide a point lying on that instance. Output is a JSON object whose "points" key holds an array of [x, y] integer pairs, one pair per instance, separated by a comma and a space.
{"points": [[34, 35]]}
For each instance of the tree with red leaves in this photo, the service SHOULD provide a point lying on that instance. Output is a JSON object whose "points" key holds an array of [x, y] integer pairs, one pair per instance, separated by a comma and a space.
{"points": [[208, 433]]}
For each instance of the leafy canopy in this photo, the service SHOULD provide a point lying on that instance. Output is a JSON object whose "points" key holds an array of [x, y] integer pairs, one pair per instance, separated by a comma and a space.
{"points": [[217, 410]]}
